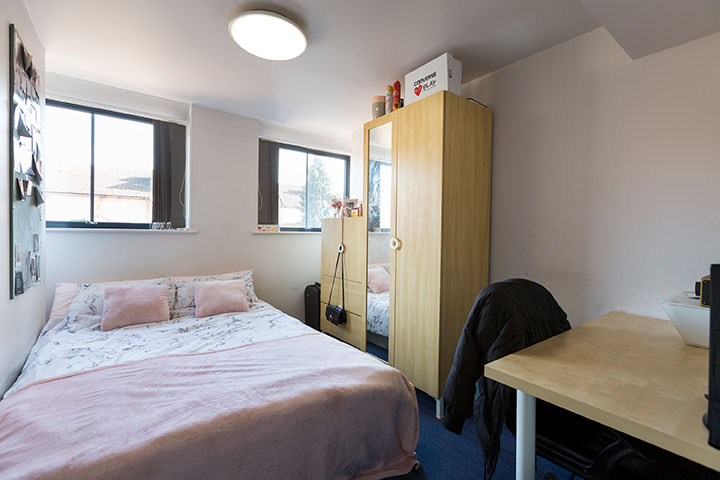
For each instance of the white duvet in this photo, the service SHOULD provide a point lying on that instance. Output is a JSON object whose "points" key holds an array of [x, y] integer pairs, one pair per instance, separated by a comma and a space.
{"points": [[76, 343], [378, 313]]}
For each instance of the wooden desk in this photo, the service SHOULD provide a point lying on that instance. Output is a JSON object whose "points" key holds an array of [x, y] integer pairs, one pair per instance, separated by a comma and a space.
{"points": [[632, 373]]}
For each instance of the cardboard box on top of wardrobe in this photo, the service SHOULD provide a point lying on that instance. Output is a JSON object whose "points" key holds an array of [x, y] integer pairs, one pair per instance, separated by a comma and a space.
{"points": [[443, 73]]}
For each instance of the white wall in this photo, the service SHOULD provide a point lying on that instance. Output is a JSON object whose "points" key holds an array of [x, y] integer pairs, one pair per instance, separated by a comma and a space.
{"points": [[606, 172], [223, 174], [223, 208], [82, 92], [356, 164], [21, 318], [283, 134]]}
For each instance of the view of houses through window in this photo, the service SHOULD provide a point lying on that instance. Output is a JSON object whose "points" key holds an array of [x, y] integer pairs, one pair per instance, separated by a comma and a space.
{"points": [[119, 150]]}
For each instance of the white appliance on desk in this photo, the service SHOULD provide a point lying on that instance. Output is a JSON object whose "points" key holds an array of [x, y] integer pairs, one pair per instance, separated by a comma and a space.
{"points": [[691, 320]]}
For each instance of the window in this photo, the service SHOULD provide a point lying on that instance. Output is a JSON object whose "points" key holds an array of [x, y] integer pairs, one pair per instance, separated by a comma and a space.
{"points": [[111, 170], [379, 195], [297, 185]]}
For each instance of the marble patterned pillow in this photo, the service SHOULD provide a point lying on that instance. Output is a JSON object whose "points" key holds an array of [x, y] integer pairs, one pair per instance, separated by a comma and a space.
{"points": [[89, 298], [183, 302]]}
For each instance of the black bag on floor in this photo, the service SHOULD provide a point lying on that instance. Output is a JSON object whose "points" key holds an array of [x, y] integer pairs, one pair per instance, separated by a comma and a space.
{"points": [[312, 306]]}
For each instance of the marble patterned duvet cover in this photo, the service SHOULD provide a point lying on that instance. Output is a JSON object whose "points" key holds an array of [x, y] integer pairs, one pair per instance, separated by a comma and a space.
{"points": [[75, 343], [378, 312]]}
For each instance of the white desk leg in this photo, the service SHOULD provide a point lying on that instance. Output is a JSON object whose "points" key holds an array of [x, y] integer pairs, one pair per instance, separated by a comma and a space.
{"points": [[439, 414], [525, 437]]}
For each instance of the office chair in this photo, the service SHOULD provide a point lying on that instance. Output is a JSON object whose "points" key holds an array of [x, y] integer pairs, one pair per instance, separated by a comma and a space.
{"points": [[583, 447], [592, 451]]}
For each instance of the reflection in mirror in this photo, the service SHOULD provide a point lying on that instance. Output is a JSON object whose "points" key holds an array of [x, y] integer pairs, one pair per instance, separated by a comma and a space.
{"points": [[379, 206]]}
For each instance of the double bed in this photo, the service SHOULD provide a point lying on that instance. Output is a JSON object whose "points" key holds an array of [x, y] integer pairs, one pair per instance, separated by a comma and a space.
{"points": [[237, 395]]}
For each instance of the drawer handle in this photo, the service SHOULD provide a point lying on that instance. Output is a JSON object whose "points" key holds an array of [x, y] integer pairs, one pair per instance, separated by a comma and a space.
{"points": [[341, 248], [395, 244]]}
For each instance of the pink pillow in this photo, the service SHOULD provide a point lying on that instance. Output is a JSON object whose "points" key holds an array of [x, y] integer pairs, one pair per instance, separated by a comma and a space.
{"points": [[220, 296], [134, 304], [378, 280], [64, 295]]}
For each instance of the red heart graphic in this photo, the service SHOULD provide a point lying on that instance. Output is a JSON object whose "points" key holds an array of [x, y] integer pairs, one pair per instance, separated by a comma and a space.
{"points": [[418, 90]]}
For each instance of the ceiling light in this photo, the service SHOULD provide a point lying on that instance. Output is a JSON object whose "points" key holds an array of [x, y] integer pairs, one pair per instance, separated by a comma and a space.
{"points": [[268, 35]]}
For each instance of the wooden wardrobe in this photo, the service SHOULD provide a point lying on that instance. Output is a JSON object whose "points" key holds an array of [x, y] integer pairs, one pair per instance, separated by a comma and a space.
{"points": [[439, 228]]}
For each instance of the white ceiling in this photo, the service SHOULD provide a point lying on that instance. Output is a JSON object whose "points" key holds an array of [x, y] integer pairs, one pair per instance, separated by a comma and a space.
{"points": [[644, 27], [181, 49]]}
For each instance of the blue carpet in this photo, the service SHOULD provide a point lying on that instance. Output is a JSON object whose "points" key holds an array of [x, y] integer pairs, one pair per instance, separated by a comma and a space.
{"points": [[377, 351], [444, 455]]}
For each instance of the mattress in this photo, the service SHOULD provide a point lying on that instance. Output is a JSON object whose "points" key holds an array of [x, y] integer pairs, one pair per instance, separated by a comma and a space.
{"points": [[211, 397]]}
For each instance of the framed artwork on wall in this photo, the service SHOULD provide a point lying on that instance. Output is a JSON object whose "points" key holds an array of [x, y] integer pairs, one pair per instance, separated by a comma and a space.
{"points": [[25, 168]]}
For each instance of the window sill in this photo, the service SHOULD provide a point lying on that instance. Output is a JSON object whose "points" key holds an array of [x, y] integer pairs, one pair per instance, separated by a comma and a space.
{"points": [[285, 233], [119, 230]]}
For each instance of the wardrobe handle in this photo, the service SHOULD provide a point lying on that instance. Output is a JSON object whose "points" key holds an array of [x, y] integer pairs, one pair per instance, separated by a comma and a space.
{"points": [[395, 244]]}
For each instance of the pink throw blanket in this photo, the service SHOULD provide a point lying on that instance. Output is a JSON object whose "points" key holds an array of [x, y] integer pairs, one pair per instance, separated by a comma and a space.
{"points": [[303, 407]]}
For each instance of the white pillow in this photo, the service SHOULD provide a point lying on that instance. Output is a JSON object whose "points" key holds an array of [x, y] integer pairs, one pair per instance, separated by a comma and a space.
{"points": [[183, 302], [89, 297]]}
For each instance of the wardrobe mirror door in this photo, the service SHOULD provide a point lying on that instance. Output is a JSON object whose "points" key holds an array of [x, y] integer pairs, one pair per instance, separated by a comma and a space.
{"points": [[379, 212]]}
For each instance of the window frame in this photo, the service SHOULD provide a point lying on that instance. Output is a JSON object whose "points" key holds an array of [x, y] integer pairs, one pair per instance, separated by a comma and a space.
{"points": [[109, 113], [310, 151]]}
